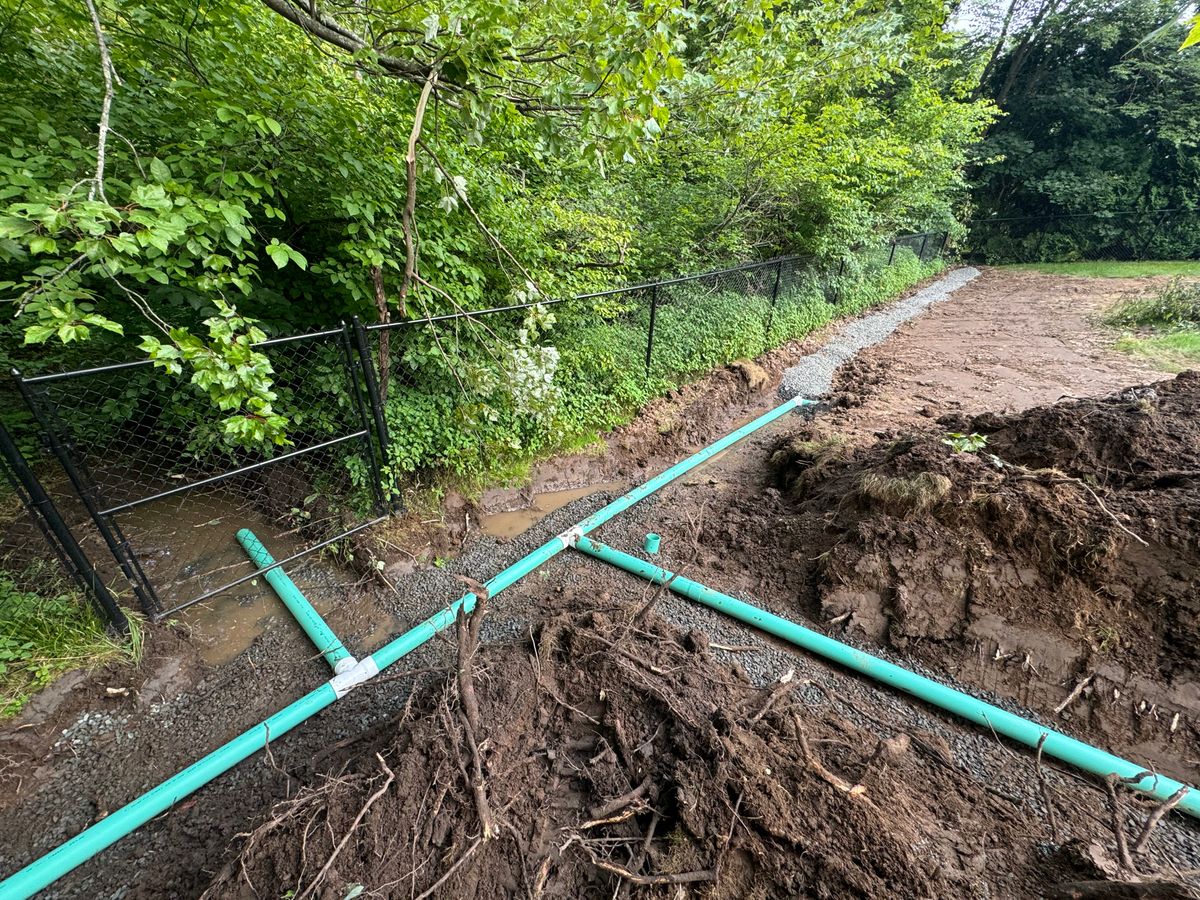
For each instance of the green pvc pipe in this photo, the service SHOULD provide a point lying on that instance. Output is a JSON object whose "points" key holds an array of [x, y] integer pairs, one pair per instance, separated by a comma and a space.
{"points": [[1060, 746], [306, 616], [112, 828], [79, 849]]}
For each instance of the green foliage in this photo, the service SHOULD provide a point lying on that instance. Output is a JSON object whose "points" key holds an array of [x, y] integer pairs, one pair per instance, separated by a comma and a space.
{"points": [[252, 175], [965, 443], [43, 637], [600, 379], [1176, 308], [1175, 352], [1168, 326], [234, 377], [1193, 36], [1100, 113]]}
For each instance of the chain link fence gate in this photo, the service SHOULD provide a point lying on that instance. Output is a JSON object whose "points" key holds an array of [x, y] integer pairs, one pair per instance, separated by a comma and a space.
{"points": [[144, 452]]}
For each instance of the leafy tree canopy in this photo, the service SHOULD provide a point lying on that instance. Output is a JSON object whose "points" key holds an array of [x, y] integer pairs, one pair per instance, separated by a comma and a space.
{"points": [[1099, 109], [189, 178]]}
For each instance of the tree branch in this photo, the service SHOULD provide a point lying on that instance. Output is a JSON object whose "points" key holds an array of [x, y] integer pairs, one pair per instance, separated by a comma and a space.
{"points": [[110, 81], [327, 29], [410, 203]]}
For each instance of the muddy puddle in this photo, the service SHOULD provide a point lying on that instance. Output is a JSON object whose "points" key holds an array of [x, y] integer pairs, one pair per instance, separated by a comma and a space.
{"points": [[226, 625], [512, 523], [188, 547]]}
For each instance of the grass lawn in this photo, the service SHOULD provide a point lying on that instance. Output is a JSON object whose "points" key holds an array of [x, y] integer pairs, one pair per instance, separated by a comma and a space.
{"points": [[1112, 269], [42, 637], [1169, 352]]}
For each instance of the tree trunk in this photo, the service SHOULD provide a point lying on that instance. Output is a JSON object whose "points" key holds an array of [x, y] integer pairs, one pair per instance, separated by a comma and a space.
{"points": [[385, 351]]}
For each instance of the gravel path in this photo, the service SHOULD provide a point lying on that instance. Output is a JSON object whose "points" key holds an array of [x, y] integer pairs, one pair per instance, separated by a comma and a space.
{"points": [[813, 376]]}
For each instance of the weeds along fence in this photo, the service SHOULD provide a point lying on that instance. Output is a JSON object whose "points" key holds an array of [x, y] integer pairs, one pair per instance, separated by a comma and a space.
{"points": [[134, 463], [33, 525], [1123, 236]]}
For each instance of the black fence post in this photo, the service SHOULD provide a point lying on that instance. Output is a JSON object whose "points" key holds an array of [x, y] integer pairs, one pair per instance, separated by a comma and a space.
{"points": [[650, 334], [942, 247], [362, 339], [892, 254], [837, 291], [774, 297], [351, 363], [109, 530], [1153, 234], [924, 244], [1037, 251], [46, 515]]}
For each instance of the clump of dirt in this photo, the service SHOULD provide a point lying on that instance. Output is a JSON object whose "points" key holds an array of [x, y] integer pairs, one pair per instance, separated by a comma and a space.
{"points": [[613, 749], [1076, 520]]}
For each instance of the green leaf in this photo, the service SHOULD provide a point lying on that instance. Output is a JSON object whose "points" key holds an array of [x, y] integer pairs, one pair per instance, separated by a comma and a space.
{"points": [[278, 254], [160, 170], [11, 227], [297, 257], [36, 334], [1193, 37]]}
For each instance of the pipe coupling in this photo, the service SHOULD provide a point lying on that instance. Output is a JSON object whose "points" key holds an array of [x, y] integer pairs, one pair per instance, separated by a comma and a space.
{"points": [[344, 682]]}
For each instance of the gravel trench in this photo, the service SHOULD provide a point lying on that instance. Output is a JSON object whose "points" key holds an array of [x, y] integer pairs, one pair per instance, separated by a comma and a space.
{"points": [[813, 376]]}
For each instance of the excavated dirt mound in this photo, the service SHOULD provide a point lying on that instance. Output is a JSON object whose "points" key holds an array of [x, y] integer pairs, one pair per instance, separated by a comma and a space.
{"points": [[1072, 531], [613, 749]]}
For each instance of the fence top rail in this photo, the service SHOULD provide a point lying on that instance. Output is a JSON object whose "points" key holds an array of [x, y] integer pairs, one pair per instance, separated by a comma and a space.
{"points": [[682, 279], [138, 363], [464, 314], [1086, 215]]}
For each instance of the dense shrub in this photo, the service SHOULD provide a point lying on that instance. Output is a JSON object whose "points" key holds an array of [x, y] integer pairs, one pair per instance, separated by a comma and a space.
{"points": [[1176, 308]]}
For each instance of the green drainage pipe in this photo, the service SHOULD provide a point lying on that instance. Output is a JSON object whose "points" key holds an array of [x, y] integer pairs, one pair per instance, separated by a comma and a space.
{"points": [[1067, 749], [107, 831], [91, 841], [309, 619]]}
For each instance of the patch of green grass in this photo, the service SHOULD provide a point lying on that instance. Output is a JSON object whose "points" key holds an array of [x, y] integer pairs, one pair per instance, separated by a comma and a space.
{"points": [[1168, 352], [1113, 269], [1176, 308], [1165, 328], [43, 637]]}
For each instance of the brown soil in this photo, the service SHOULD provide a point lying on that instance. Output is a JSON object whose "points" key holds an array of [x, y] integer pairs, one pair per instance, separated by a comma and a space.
{"points": [[1077, 520], [619, 753], [570, 723], [666, 429]]}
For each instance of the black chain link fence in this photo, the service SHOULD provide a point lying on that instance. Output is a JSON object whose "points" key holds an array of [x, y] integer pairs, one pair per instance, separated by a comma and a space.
{"points": [[1124, 236], [164, 490], [153, 489]]}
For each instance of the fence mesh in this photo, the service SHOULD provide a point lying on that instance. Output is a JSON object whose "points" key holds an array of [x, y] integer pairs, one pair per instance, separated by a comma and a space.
{"points": [[149, 456], [150, 480], [1172, 234]]}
